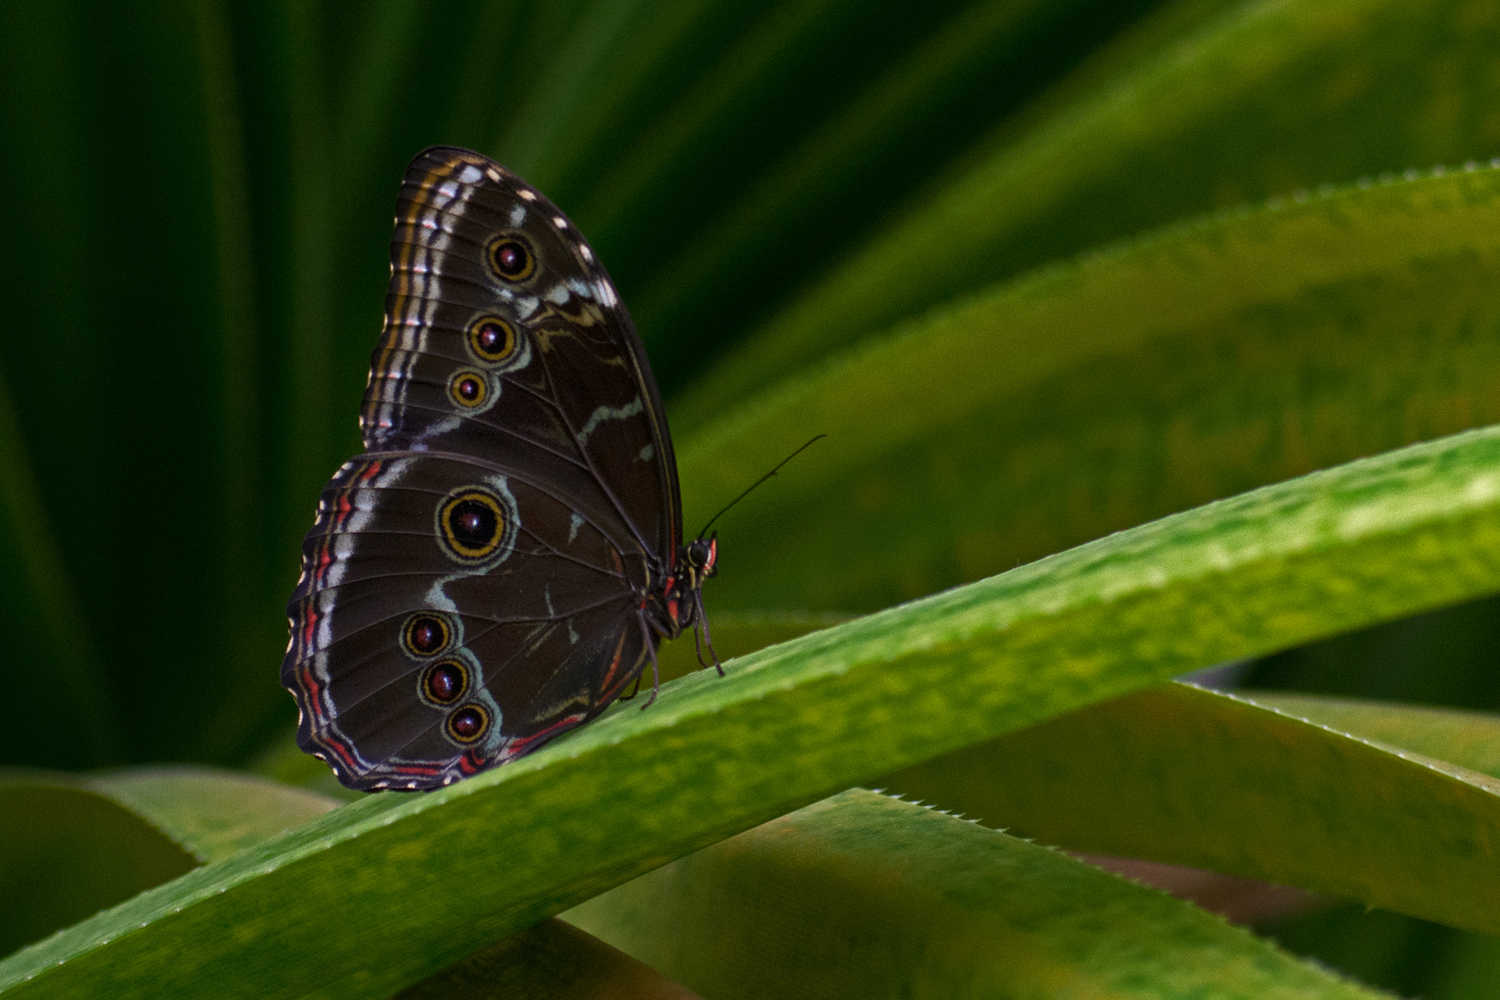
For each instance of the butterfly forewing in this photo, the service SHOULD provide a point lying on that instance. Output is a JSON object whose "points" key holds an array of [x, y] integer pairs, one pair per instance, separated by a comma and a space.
{"points": [[474, 583], [559, 382]]}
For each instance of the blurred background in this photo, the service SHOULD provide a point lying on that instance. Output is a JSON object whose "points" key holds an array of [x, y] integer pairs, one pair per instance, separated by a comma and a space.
{"points": [[195, 260]]}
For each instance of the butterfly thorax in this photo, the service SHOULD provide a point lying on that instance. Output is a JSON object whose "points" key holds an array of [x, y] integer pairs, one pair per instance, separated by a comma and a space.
{"points": [[677, 605]]}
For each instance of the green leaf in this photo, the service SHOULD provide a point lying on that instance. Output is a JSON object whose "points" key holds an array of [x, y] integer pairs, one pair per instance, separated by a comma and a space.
{"points": [[550, 961], [737, 633], [212, 814], [1192, 364], [1193, 777], [448, 872], [923, 904], [68, 851], [1468, 739], [1266, 98], [75, 844], [93, 855]]}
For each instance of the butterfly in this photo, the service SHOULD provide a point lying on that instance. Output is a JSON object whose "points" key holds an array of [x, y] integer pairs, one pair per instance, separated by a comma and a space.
{"points": [[504, 558]]}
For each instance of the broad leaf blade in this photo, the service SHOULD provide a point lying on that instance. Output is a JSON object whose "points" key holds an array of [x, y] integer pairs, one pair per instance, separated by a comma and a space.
{"points": [[550, 961], [212, 814], [923, 904], [415, 883], [1189, 776], [67, 851], [75, 844]]}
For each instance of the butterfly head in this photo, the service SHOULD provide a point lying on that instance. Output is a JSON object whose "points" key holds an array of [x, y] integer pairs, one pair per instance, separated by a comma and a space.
{"points": [[681, 595], [700, 560]]}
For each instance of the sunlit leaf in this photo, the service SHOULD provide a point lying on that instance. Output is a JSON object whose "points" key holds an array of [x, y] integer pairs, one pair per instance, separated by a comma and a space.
{"points": [[790, 724]]}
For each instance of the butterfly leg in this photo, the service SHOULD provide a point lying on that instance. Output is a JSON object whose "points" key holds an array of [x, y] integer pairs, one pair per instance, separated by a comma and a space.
{"points": [[655, 669], [706, 639], [655, 678]]}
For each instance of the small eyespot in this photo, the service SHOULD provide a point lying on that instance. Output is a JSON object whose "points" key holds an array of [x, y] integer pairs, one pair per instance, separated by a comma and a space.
{"points": [[425, 635], [445, 682], [469, 723], [469, 389], [511, 258], [492, 339], [472, 522]]}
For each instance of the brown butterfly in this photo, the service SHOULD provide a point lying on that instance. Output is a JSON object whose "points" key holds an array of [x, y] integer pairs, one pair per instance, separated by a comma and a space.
{"points": [[504, 558]]}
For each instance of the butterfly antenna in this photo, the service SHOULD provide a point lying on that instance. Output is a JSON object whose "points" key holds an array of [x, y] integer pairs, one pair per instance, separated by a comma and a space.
{"points": [[762, 479]]}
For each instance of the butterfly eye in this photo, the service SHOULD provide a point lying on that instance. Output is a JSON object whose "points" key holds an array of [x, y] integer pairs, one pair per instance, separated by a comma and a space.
{"points": [[469, 389], [425, 635], [472, 523], [445, 682], [468, 724], [700, 555], [492, 339], [511, 258]]}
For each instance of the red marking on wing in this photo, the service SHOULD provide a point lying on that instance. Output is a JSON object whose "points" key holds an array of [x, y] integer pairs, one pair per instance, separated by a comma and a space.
{"points": [[309, 684], [343, 752], [309, 627], [522, 744], [614, 664]]}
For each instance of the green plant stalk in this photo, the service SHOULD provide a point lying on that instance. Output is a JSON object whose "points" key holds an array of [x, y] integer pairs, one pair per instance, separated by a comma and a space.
{"points": [[415, 883]]}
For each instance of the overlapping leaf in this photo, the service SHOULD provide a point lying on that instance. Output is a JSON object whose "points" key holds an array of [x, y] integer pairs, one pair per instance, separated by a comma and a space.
{"points": [[1190, 365], [927, 905], [1213, 781], [1330, 551]]}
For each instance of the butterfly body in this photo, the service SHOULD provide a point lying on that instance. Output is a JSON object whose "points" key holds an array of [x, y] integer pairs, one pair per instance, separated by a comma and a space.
{"points": [[504, 558]]}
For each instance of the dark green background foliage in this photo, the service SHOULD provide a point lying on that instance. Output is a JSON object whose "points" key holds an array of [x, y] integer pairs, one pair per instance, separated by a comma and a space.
{"points": [[950, 235], [208, 192]]}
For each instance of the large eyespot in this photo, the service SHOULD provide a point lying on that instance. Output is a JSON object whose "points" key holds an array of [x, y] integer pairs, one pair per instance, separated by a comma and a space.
{"points": [[469, 389], [492, 339], [444, 682], [468, 724], [471, 524], [425, 634], [511, 257]]}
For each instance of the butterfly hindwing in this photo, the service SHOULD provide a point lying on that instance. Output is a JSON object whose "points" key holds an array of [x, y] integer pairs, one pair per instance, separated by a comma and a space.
{"points": [[438, 586]]}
